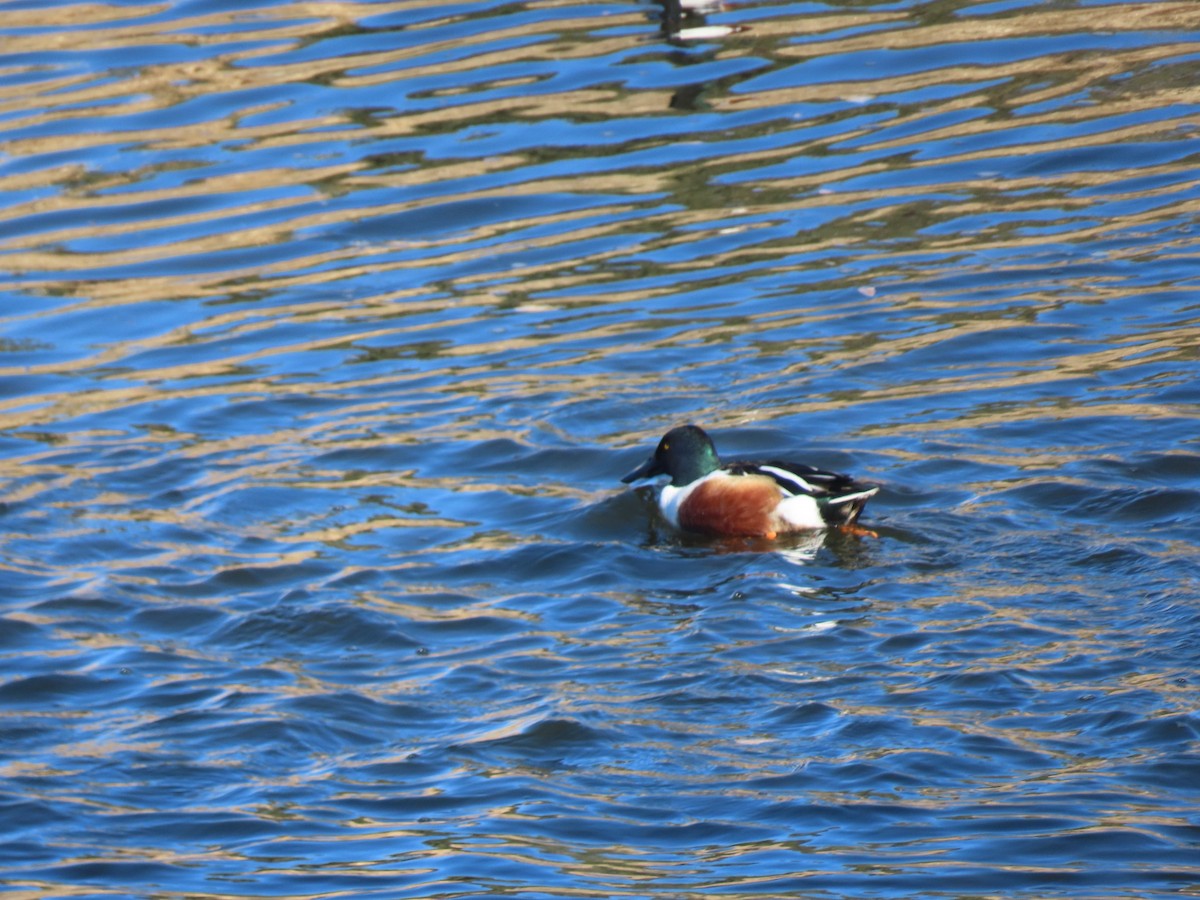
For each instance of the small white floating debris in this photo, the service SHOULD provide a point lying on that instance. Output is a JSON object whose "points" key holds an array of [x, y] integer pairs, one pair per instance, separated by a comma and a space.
{"points": [[867, 291], [817, 627], [800, 590], [707, 32], [814, 628]]}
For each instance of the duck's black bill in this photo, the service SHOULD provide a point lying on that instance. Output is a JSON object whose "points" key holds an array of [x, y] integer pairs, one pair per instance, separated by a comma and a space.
{"points": [[648, 469]]}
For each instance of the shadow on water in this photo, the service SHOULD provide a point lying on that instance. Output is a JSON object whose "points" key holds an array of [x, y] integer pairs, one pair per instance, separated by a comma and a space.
{"points": [[326, 332]]}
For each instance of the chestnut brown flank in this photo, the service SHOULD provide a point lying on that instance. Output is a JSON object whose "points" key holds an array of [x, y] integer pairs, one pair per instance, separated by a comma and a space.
{"points": [[743, 505]]}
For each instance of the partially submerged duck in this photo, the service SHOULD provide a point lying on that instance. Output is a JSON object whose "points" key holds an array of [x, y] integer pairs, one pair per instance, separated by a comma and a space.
{"points": [[675, 12]]}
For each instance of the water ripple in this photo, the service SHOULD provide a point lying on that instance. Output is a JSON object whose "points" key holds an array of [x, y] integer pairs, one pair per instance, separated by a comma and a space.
{"points": [[327, 331]]}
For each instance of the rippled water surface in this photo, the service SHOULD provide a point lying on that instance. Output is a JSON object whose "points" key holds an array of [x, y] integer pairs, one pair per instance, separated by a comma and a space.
{"points": [[327, 330]]}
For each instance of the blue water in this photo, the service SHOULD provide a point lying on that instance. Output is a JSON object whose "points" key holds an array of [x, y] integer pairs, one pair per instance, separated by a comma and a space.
{"points": [[326, 332]]}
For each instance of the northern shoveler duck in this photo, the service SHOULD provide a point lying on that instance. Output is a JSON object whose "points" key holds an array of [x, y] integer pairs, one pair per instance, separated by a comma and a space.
{"points": [[748, 499]]}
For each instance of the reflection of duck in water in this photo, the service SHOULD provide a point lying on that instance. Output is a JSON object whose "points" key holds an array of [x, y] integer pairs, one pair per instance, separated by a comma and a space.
{"points": [[748, 499], [676, 11]]}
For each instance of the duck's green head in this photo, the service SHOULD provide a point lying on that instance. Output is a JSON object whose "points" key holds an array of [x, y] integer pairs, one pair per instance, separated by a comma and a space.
{"points": [[685, 453]]}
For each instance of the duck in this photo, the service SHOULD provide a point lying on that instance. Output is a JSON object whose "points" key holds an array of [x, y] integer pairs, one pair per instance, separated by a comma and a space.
{"points": [[748, 499]]}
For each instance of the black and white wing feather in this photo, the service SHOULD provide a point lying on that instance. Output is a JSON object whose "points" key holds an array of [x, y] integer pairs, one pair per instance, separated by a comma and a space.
{"points": [[839, 497]]}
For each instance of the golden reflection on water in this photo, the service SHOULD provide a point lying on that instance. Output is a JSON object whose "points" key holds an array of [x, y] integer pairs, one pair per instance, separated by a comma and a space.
{"points": [[700, 201], [429, 326], [164, 86]]}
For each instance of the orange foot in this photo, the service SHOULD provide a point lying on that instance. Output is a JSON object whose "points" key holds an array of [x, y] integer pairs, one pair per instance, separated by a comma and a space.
{"points": [[857, 531]]}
